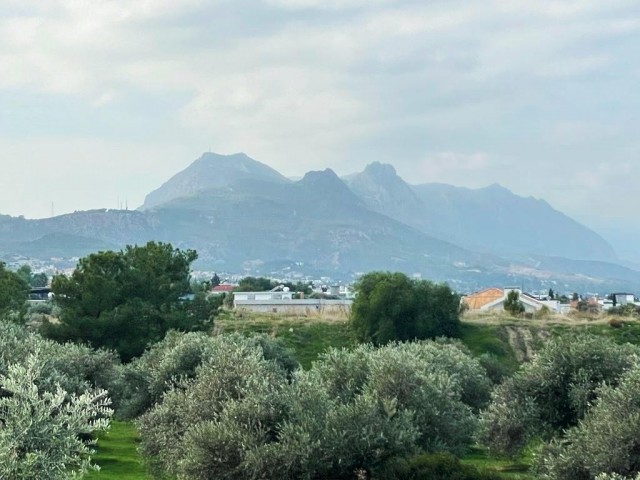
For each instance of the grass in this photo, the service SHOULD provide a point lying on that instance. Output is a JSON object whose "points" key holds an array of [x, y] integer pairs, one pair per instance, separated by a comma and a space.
{"points": [[117, 455], [508, 469], [487, 339], [307, 337]]}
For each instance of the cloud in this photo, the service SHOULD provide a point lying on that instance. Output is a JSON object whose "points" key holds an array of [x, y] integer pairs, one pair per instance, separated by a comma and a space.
{"points": [[458, 91]]}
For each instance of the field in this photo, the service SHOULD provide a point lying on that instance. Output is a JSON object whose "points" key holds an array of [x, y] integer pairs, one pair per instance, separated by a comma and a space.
{"points": [[508, 340]]}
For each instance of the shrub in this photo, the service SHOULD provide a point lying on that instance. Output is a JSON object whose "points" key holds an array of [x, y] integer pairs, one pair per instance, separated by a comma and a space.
{"points": [[496, 370], [243, 416], [607, 440], [75, 368], [45, 433], [175, 359], [552, 392], [616, 323]]}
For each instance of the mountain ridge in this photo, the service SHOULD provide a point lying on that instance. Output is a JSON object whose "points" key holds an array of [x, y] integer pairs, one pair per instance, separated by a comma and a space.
{"points": [[242, 215]]}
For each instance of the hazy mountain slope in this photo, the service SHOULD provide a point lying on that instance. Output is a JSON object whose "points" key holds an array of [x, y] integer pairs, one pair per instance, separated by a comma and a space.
{"points": [[494, 219], [75, 234], [489, 219], [210, 171], [383, 191], [253, 220], [316, 220]]}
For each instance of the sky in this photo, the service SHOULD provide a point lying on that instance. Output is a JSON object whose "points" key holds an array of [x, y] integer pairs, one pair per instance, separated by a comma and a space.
{"points": [[101, 101]]}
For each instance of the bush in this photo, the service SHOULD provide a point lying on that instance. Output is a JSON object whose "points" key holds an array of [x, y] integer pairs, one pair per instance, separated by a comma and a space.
{"points": [[242, 416], [496, 370], [175, 359], [552, 392], [607, 440], [75, 368], [46, 433], [616, 323], [628, 310], [390, 306]]}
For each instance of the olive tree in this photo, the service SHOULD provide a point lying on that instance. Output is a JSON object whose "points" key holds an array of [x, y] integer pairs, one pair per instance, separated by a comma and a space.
{"points": [[242, 416], [44, 433], [175, 359], [552, 392], [606, 440]]}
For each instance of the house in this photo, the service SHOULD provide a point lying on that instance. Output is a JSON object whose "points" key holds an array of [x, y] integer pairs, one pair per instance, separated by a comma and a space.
{"points": [[492, 300], [619, 299], [223, 288], [40, 294], [477, 300], [279, 293]]}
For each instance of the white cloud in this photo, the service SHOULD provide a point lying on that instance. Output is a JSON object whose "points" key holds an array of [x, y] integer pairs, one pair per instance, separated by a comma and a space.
{"points": [[303, 84]]}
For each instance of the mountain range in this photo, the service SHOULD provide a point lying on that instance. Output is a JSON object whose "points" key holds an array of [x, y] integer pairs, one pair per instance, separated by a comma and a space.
{"points": [[243, 216]]}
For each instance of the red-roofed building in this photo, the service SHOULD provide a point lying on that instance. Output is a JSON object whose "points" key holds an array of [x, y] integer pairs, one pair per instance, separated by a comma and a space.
{"points": [[223, 288]]}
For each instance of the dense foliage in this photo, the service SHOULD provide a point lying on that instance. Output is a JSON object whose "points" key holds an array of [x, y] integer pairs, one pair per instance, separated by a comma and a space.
{"points": [[512, 303], [175, 359], [606, 440], [129, 299], [50, 404], [13, 291], [262, 284], [242, 416], [552, 392], [391, 306], [32, 279]]}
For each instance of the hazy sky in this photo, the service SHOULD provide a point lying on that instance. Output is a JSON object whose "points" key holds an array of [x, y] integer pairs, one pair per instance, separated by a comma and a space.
{"points": [[105, 100]]}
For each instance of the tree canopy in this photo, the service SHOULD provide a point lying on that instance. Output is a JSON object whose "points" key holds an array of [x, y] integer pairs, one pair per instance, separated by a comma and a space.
{"points": [[391, 306], [512, 304], [13, 291], [263, 284], [125, 300], [32, 279], [553, 392]]}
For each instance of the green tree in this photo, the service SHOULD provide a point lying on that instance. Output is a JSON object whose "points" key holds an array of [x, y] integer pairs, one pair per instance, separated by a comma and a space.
{"points": [[390, 306], [128, 299], [14, 291], [512, 304], [39, 280], [255, 284], [239, 415], [24, 272], [215, 280], [44, 432], [607, 440], [552, 392]]}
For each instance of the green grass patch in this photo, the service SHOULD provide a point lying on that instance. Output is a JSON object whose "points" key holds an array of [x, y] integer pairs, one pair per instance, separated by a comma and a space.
{"points": [[307, 337], [488, 339], [517, 469], [117, 455]]}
